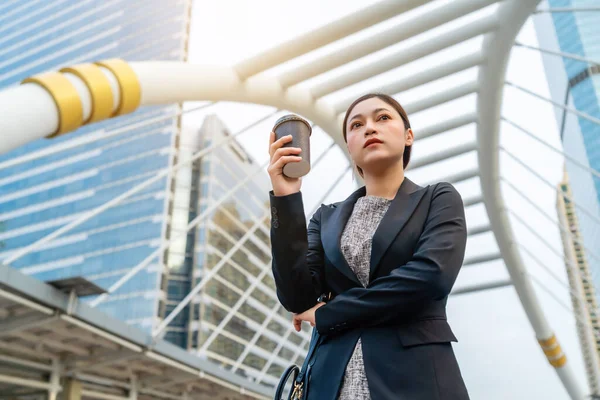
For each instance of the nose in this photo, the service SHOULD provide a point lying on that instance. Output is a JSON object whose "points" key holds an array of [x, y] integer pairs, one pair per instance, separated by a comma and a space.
{"points": [[369, 128]]}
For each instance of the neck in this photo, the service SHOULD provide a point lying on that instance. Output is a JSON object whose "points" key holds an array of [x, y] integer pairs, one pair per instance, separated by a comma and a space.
{"points": [[384, 183]]}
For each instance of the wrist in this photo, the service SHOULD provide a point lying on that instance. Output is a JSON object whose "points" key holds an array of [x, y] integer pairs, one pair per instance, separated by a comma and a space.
{"points": [[283, 193]]}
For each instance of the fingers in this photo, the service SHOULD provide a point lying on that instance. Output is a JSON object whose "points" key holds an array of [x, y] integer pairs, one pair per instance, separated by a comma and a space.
{"points": [[297, 323], [277, 144], [276, 168], [285, 151], [271, 141], [278, 165]]}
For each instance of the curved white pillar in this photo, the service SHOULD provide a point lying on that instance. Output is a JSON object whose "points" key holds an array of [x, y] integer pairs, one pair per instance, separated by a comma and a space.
{"points": [[31, 113], [513, 13]]}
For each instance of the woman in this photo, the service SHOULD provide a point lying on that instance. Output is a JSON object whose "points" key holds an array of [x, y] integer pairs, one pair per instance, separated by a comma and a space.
{"points": [[389, 255]]}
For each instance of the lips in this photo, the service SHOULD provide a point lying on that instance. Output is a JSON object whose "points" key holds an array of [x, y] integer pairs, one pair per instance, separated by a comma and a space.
{"points": [[371, 141]]}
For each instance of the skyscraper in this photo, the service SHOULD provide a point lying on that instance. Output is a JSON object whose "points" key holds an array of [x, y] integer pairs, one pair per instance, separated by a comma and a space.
{"points": [[583, 293], [235, 319], [576, 85], [49, 183]]}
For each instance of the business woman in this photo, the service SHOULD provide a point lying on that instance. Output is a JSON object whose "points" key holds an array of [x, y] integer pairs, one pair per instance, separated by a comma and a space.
{"points": [[389, 255]]}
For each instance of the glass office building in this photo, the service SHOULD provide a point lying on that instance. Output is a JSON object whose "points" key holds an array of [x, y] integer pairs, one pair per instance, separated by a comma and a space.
{"points": [[49, 183], [236, 319], [583, 293], [576, 84]]}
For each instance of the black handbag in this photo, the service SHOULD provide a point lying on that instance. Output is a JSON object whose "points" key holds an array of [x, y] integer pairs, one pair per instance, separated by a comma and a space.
{"points": [[300, 376]]}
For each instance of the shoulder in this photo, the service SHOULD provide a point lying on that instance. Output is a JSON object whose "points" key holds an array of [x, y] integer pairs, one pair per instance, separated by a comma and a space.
{"points": [[445, 189], [445, 198]]}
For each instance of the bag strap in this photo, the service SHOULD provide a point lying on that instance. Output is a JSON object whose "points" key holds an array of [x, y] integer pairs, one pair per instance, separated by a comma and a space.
{"points": [[315, 341]]}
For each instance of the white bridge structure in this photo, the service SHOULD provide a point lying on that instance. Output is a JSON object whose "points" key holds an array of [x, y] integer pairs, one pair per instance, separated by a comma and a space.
{"points": [[58, 102]]}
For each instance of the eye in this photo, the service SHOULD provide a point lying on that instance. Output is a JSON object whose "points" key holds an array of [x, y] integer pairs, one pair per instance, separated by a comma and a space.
{"points": [[355, 125], [384, 117]]}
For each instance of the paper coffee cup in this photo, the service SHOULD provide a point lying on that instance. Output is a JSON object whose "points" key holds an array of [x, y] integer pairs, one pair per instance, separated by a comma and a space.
{"points": [[300, 130]]}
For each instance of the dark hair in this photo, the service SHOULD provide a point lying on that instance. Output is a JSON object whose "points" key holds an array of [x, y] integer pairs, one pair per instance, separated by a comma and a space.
{"points": [[392, 102]]}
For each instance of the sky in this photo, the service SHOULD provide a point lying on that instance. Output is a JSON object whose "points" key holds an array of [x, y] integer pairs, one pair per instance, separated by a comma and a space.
{"points": [[497, 349]]}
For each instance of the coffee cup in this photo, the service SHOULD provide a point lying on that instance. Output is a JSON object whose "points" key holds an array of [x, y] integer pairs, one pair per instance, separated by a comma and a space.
{"points": [[300, 130]]}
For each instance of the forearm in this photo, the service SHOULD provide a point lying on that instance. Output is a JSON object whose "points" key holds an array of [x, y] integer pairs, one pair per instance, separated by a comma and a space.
{"points": [[297, 286], [427, 277], [391, 299]]}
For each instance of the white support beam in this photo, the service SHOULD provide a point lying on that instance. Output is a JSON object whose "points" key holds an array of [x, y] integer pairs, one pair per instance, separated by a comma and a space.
{"points": [[513, 14], [445, 126], [409, 54], [567, 10], [558, 53], [381, 40], [471, 201], [442, 97], [482, 259], [481, 287], [329, 33], [555, 104], [438, 72], [457, 176], [561, 226], [479, 230], [424, 77], [442, 155], [554, 149], [551, 185]]}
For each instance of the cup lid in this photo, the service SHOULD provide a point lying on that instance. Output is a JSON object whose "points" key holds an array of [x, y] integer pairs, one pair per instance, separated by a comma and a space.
{"points": [[292, 117]]}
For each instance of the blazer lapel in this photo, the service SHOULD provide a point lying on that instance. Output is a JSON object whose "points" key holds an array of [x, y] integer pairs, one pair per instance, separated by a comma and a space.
{"points": [[402, 207], [332, 228]]}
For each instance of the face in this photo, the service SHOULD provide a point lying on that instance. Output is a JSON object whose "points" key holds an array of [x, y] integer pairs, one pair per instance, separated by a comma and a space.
{"points": [[376, 136]]}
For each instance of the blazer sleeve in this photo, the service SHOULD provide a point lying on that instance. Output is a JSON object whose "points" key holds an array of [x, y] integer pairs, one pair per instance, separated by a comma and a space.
{"points": [[428, 276], [297, 253]]}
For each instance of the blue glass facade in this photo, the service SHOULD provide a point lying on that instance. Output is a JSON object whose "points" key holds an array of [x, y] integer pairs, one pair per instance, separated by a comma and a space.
{"points": [[577, 85], [48, 183], [578, 33]]}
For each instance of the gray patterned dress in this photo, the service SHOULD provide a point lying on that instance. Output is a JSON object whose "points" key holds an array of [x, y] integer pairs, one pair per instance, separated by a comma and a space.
{"points": [[356, 246]]}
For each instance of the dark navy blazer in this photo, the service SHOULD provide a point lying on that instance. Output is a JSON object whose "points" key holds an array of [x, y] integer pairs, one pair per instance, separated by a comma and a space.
{"points": [[417, 252]]}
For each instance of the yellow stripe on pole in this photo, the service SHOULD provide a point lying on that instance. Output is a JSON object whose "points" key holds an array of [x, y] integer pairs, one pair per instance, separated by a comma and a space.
{"points": [[99, 87], [131, 90], [66, 98], [548, 343], [559, 362], [553, 351]]}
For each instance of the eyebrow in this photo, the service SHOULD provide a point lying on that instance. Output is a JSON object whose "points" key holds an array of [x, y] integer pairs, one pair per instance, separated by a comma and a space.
{"points": [[374, 112]]}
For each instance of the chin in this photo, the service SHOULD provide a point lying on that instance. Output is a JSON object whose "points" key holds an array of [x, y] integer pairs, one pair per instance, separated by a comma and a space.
{"points": [[381, 163]]}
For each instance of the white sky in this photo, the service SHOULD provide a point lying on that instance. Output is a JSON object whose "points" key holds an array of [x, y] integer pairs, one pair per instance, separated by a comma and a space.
{"points": [[498, 352]]}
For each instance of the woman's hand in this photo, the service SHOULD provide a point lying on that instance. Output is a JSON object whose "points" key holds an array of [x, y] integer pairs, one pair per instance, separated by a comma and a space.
{"points": [[308, 316], [282, 185]]}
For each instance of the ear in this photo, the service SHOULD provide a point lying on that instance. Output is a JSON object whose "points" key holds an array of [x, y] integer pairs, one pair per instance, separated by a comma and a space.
{"points": [[409, 137]]}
